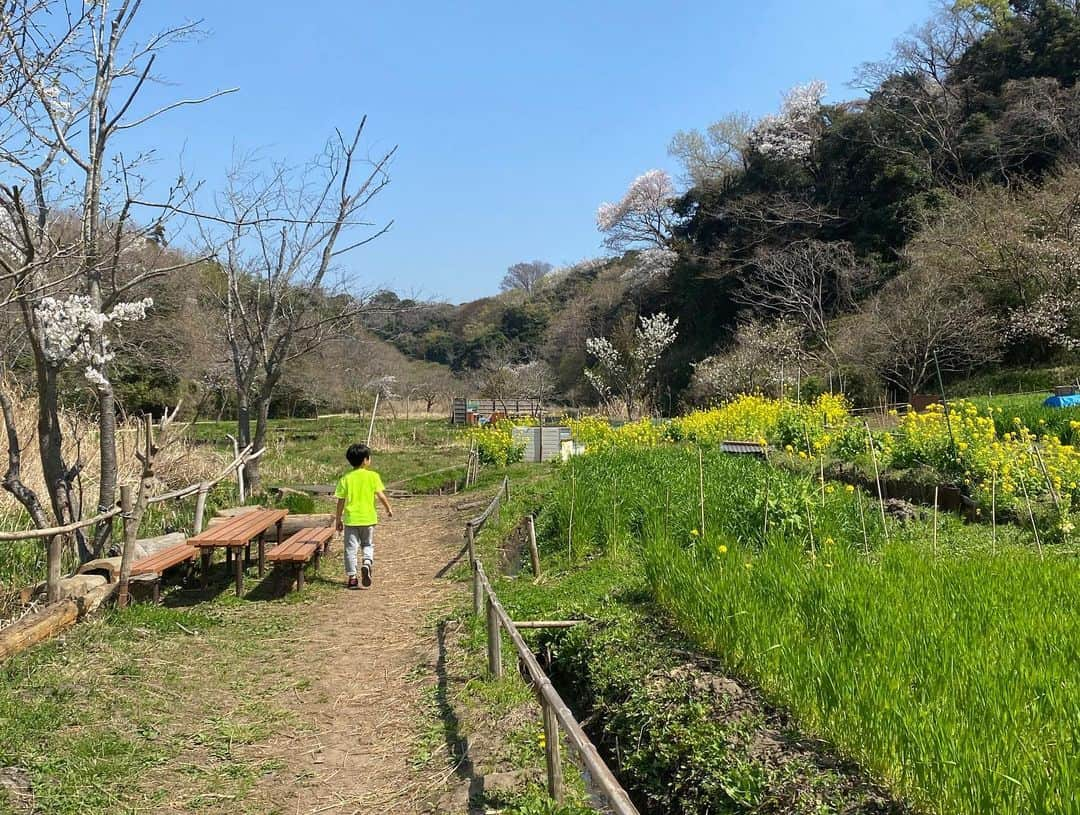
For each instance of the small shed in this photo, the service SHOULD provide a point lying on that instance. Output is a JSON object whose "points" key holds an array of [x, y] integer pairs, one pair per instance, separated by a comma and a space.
{"points": [[541, 443]]}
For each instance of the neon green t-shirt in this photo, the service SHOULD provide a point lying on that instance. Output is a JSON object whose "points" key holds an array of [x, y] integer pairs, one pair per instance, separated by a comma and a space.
{"points": [[358, 488]]}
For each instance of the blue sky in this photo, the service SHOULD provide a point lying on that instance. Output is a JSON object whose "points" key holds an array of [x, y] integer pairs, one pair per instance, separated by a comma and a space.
{"points": [[513, 120]]}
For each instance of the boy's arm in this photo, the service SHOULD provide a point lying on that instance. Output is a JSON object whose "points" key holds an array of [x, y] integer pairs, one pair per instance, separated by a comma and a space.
{"points": [[385, 502], [337, 514]]}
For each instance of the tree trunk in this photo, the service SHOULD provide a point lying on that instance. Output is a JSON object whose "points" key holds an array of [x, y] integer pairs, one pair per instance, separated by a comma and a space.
{"points": [[252, 477], [107, 488]]}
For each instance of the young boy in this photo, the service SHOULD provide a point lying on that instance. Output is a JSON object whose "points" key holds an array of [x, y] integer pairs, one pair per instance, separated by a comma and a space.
{"points": [[356, 493]]}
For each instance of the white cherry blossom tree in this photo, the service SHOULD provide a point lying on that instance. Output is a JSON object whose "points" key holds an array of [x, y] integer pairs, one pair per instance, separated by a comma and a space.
{"points": [[643, 217], [625, 377], [791, 133]]}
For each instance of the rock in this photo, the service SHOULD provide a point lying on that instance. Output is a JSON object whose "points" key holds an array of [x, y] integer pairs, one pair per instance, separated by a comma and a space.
{"points": [[903, 511], [80, 585], [233, 512], [145, 547], [15, 781], [455, 801], [508, 782], [107, 567]]}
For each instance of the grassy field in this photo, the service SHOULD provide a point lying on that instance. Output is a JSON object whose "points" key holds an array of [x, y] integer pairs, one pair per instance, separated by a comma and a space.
{"points": [[947, 668], [312, 451], [1029, 410]]}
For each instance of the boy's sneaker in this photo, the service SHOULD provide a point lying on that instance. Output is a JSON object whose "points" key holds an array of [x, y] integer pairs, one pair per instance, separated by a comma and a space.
{"points": [[353, 583], [365, 575]]}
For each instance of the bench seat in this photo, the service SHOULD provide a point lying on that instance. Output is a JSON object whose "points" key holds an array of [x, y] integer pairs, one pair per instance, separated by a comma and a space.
{"points": [[300, 548], [165, 559]]}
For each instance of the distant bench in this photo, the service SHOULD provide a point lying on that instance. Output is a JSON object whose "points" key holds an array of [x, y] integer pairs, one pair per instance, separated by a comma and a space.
{"points": [[302, 548]]}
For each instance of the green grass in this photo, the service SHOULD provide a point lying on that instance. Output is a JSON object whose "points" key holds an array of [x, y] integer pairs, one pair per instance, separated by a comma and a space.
{"points": [[312, 451], [1029, 409], [950, 674]]}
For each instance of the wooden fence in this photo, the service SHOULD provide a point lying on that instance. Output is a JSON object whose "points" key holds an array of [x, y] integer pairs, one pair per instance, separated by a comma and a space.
{"points": [[556, 714]]}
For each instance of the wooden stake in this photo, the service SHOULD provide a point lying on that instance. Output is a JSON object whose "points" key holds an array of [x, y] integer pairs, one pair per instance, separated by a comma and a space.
{"points": [[494, 642], [573, 498], [551, 752], [701, 490], [877, 478], [1031, 515], [200, 507], [993, 512], [534, 552], [862, 522], [935, 519], [127, 503]]}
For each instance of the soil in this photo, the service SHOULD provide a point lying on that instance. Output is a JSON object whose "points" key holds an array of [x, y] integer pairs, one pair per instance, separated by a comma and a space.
{"points": [[371, 656]]}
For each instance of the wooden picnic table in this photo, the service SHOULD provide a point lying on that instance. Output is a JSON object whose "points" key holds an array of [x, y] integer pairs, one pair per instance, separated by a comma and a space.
{"points": [[235, 537]]}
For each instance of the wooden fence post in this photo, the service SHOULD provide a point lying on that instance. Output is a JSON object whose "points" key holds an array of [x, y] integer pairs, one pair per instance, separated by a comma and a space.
{"points": [[127, 504], [534, 553], [54, 553], [477, 593], [200, 507], [506, 488], [494, 642], [470, 537], [551, 751]]}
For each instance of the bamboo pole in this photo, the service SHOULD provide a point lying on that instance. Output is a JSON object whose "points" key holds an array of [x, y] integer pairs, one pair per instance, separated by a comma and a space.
{"points": [[529, 624], [534, 552], [877, 478], [551, 752], [374, 410], [993, 512], [494, 642], [935, 519], [701, 490], [478, 593]]}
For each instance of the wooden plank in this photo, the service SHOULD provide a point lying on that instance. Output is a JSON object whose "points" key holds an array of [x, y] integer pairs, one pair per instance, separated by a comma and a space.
{"points": [[241, 530]]}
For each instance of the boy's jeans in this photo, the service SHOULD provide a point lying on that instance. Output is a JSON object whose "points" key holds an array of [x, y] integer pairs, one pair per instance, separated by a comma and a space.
{"points": [[358, 537]]}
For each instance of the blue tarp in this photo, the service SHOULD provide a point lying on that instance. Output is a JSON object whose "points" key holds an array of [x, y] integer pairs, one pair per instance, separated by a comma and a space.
{"points": [[1063, 401]]}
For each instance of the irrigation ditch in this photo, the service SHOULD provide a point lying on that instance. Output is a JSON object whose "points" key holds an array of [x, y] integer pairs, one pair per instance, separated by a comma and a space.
{"points": [[653, 725]]}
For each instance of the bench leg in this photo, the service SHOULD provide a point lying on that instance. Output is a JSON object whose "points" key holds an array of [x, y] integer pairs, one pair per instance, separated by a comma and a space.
{"points": [[228, 556], [238, 565], [157, 590], [262, 554], [204, 572], [317, 553], [247, 555], [299, 576]]}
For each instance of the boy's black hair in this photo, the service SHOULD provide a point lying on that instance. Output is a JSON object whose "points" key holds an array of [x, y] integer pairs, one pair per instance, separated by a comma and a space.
{"points": [[357, 454]]}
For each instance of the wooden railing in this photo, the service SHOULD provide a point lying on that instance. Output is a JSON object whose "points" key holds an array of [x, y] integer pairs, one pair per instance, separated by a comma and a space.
{"points": [[556, 714]]}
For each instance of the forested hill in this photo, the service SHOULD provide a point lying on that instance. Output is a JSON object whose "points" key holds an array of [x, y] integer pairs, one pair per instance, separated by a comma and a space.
{"points": [[934, 214]]}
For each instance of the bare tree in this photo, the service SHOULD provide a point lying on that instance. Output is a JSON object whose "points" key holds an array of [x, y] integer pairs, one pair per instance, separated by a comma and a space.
{"points": [[809, 283], [525, 276], [284, 296], [920, 320], [67, 215]]}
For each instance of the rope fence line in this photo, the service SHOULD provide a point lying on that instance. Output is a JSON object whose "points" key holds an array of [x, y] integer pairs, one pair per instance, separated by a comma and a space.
{"points": [[556, 714], [201, 488]]}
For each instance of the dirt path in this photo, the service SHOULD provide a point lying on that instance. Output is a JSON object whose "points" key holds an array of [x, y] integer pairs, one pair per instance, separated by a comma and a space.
{"points": [[371, 658]]}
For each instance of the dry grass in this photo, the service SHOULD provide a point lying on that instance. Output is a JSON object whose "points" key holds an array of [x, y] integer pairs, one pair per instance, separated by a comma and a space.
{"points": [[180, 462]]}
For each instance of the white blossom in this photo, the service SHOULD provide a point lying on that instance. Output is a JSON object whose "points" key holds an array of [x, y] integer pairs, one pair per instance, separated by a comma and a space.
{"points": [[628, 376], [643, 216], [70, 325], [791, 133], [650, 265]]}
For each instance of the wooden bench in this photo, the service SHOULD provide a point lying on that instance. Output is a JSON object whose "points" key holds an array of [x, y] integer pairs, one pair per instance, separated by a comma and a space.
{"points": [[158, 562], [301, 548], [235, 536]]}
